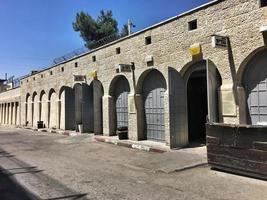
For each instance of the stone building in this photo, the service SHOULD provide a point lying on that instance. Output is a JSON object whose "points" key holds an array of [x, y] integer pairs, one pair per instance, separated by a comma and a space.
{"points": [[162, 82]]}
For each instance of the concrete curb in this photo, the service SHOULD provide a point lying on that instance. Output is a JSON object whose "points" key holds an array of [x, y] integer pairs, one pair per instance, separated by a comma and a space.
{"points": [[60, 132], [129, 144]]}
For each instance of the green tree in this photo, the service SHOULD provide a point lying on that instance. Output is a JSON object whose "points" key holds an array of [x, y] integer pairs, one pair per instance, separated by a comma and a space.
{"points": [[92, 30], [87, 27], [106, 24]]}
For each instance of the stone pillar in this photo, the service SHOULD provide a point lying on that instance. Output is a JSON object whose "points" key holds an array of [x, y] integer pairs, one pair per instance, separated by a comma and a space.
{"points": [[97, 107], [6, 117], [13, 113], [167, 119], [0, 113], [5, 113], [9, 113], [18, 114], [39, 107], [48, 114], [32, 113], [58, 113], [109, 126], [242, 105], [25, 113], [132, 118]]}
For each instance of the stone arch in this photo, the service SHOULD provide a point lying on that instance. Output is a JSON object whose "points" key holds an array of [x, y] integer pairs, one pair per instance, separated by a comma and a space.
{"points": [[141, 78], [113, 83], [201, 96], [242, 67], [254, 81], [51, 91], [119, 90]]}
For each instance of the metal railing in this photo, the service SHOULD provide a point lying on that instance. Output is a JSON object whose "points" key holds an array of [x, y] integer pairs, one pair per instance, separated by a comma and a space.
{"points": [[95, 44]]}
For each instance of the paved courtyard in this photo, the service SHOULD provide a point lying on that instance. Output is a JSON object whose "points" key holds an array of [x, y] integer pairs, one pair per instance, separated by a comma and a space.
{"points": [[35, 165]]}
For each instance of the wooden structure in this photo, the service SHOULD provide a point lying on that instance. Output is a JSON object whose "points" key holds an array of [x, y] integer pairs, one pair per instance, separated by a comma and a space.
{"points": [[238, 149]]}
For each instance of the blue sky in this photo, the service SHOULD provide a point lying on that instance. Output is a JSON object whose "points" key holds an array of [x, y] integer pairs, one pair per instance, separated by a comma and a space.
{"points": [[34, 32]]}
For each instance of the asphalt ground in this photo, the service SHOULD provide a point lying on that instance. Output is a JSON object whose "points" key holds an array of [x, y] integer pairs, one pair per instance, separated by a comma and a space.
{"points": [[36, 165]]}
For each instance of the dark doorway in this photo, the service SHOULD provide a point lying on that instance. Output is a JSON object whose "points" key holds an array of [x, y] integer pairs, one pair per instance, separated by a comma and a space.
{"points": [[197, 105]]}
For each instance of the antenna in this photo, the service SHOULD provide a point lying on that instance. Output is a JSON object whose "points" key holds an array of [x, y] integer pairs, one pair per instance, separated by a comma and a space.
{"points": [[130, 25]]}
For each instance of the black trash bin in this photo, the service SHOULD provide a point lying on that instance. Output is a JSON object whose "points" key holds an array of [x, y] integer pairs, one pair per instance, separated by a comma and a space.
{"points": [[40, 124], [122, 133]]}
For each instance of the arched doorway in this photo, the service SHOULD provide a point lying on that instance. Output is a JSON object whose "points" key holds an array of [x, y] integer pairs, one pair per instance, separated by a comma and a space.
{"points": [[67, 117], [202, 98], [197, 105], [121, 90], [255, 83], [154, 88], [83, 106]]}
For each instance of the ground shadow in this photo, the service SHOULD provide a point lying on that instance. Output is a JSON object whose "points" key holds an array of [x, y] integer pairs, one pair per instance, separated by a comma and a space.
{"points": [[10, 189]]}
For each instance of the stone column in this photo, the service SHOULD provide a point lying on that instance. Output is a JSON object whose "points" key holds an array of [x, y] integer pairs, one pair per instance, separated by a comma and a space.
{"points": [[13, 113], [242, 105], [1, 113], [132, 118], [108, 116], [18, 122], [9, 113], [5, 113], [58, 113], [25, 113], [48, 114], [39, 107], [32, 113], [140, 116]]}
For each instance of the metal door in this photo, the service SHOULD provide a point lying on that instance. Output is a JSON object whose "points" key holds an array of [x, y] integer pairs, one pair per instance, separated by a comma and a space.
{"points": [[122, 90], [153, 92], [256, 87], [257, 102]]}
